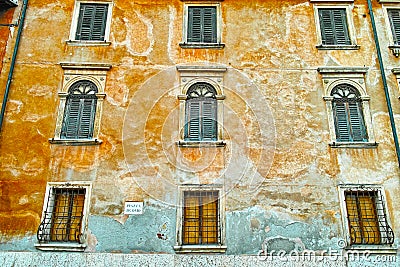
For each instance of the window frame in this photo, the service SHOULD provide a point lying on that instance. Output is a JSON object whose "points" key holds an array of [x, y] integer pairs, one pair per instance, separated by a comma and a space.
{"points": [[185, 27], [74, 25], [95, 73], [354, 76], [190, 75], [219, 247], [70, 245], [350, 26], [391, 5], [375, 248]]}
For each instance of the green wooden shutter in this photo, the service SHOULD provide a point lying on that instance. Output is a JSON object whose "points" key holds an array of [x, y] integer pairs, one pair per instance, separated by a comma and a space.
{"points": [[209, 25], [71, 119], [358, 132], [334, 28], [394, 18], [209, 120], [192, 129], [88, 111], [202, 25], [341, 122], [79, 118], [92, 22]]}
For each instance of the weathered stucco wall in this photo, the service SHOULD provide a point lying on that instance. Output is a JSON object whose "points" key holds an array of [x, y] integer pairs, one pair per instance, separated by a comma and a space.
{"points": [[278, 171]]}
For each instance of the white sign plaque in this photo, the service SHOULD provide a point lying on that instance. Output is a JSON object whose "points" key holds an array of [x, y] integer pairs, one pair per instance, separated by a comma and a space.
{"points": [[133, 208]]}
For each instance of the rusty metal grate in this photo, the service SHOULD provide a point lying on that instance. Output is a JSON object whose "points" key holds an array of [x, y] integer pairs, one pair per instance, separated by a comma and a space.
{"points": [[62, 220], [367, 217], [201, 218]]}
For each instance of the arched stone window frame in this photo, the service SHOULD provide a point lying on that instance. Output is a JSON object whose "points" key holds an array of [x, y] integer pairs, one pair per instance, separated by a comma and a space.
{"points": [[354, 76], [190, 75], [95, 73]]}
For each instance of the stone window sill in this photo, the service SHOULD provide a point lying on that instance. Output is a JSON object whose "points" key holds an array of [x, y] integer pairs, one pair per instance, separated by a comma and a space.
{"points": [[88, 43], [200, 249], [75, 142], [202, 45], [200, 143], [61, 246], [338, 47], [353, 144]]}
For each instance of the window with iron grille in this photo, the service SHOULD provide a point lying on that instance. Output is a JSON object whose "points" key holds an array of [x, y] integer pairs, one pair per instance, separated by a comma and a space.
{"points": [[63, 216], [92, 22], [201, 224], [334, 28], [201, 113], [80, 111], [366, 217], [394, 19], [348, 114]]}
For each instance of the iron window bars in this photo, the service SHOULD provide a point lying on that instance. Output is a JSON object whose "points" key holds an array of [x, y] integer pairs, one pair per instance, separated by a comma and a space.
{"points": [[201, 223], [62, 218], [366, 217]]}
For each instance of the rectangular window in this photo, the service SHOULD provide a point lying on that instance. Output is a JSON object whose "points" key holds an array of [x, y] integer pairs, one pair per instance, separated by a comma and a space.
{"points": [[334, 28], [64, 217], [200, 218], [202, 26], [366, 217], [394, 18], [92, 22]]}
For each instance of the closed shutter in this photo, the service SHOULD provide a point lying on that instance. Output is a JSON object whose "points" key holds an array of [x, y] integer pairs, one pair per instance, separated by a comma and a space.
{"points": [[202, 25], [209, 122], [79, 118], [357, 122], [341, 122], [87, 118], [394, 18], [334, 28], [92, 22], [201, 119], [192, 129]]}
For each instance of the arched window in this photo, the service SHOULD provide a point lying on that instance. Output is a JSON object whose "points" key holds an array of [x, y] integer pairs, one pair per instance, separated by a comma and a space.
{"points": [[201, 113], [80, 110], [348, 114]]}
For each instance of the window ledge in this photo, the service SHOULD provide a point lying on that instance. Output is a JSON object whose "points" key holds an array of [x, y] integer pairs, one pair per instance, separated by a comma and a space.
{"points": [[88, 43], [395, 50], [200, 143], [338, 47], [354, 144], [60, 246], [75, 142], [200, 249], [373, 249], [202, 45]]}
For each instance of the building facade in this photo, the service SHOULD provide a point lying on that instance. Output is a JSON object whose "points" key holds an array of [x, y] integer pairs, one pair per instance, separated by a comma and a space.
{"points": [[210, 127]]}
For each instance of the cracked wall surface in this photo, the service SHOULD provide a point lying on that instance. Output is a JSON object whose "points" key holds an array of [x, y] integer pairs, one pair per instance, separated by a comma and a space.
{"points": [[279, 174]]}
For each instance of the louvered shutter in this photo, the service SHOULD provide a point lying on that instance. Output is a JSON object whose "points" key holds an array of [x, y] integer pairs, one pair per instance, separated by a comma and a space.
{"points": [[334, 28], [192, 129], [394, 18], [71, 119], [357, 122], [209, 25], [202, 25], [209, 122], [194, 25], [79, 118], [341, 122], [92, 22], [88, 110]]}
